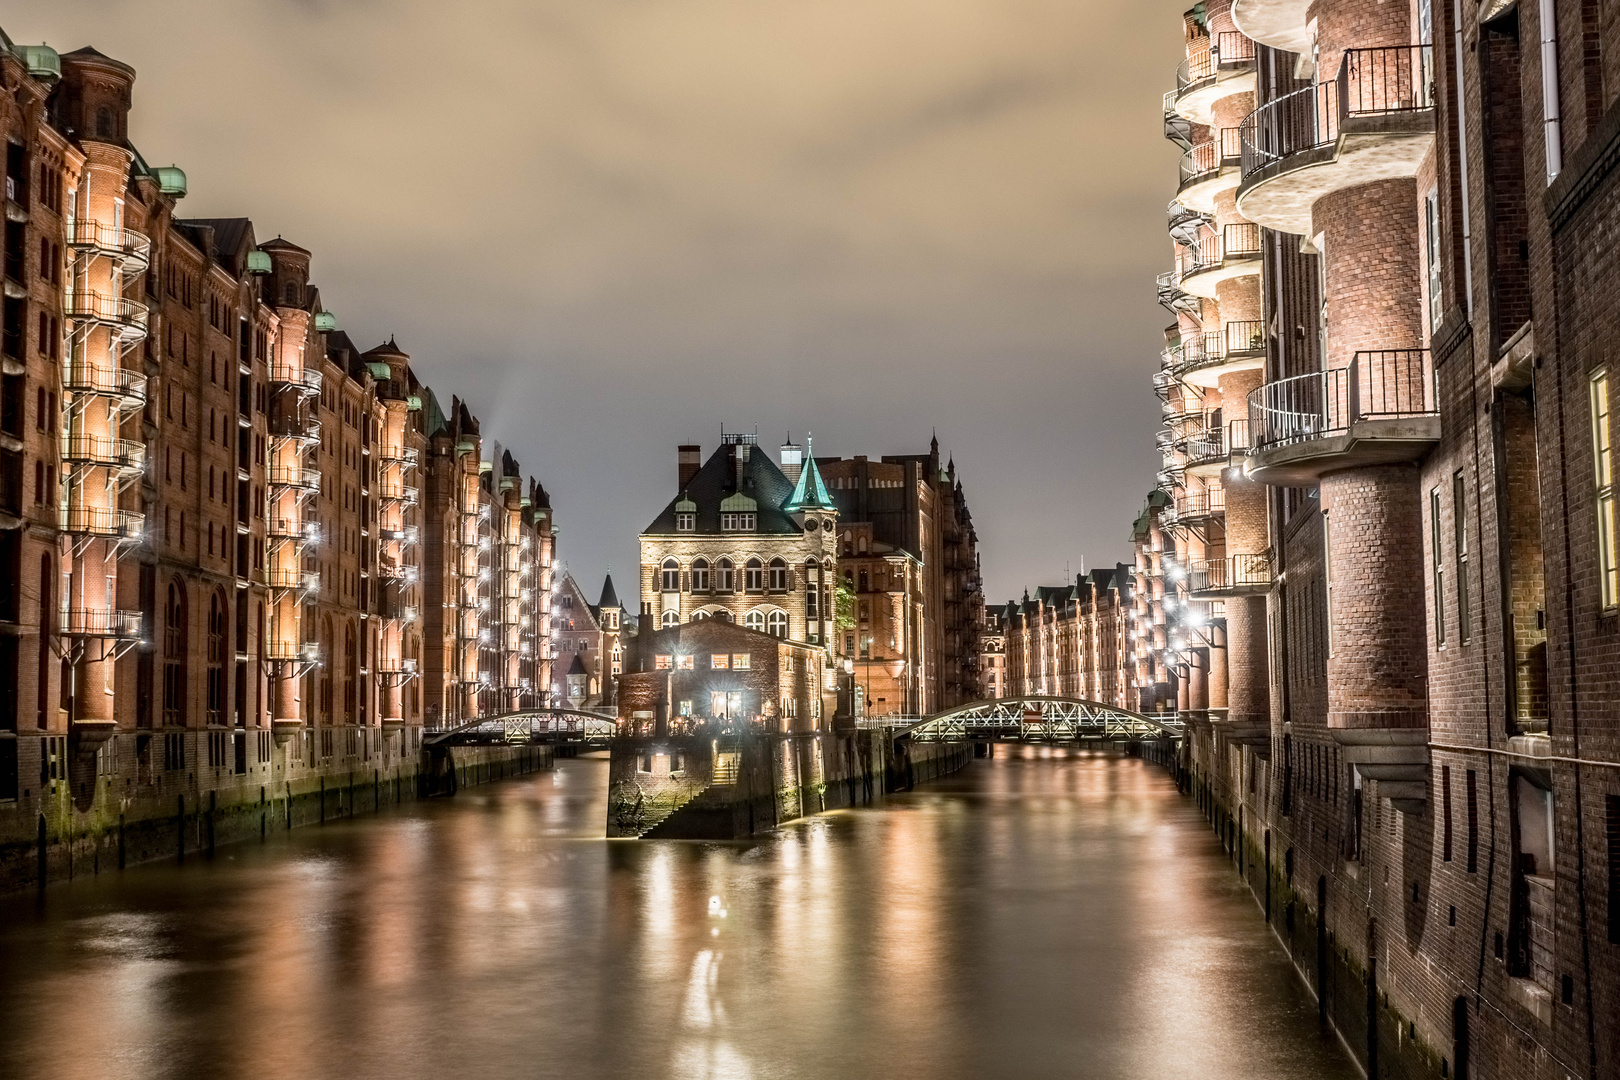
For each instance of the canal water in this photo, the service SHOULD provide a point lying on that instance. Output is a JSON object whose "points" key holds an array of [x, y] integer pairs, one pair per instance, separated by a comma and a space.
{"points": [[1034, 916]]}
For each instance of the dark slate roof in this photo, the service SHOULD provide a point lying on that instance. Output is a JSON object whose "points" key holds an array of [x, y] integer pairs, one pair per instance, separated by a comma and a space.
{"points": [[578, 666], [762, 481], [610, 599], [229, 235]]}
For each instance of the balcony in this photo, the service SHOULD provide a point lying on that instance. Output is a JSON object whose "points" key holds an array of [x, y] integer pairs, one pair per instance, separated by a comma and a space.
{"points": [[299, 427], [1235, 575], [302, 479], [406, 535], [396, 668], [291, 578], [128, 248], [305, 381], [1172, 296], [126, 388], [1236, 346], [403, 455], [1378, 411], [1207, 445], [1375, 121], [1196, 505], [123, 525], [126, 456], [101, 623], [126, 319], [390, 571], [1213, 259], [293, 652], [395, 491], [1282, 24], [1214, 69], [1207, 169], [286, 530]]}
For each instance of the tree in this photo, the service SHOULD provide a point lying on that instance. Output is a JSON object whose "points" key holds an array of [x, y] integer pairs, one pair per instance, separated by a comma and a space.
{"points": [[844, 606]]}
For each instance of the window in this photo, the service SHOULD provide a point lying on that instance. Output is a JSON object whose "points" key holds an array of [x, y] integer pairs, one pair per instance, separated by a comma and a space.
{"points": [[737, 522], [699, 616], [1431, 237], [742, 661], [663, 662], [1613, 807], [1603, 466], [1459, 510], [670, 619], [216, 660], [685, 663], [174, 657], [725, 579], [700, 575], [685, 521], [1445, 812], [1473, 824], [754, 575], [755, 620], [1438, 568], [779, 576], [720, 661], [778, 624], [1327, 577], [671, 576]]}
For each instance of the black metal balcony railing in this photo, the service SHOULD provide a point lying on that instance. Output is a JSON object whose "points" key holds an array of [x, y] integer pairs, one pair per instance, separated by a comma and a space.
{"points": [[307, 479], [306, 380], [1371, 82], [105, 451], [1205, 56], [1244, 336], [1240, 240], [101, 623], [103, 521], [132, 249], [127, 318], [1233, 573], [1200, 503], [82, 377], [1389, 384]]}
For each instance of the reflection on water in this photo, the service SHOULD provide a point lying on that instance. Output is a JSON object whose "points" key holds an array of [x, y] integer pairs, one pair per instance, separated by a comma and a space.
{"points": [[1035, 916]]}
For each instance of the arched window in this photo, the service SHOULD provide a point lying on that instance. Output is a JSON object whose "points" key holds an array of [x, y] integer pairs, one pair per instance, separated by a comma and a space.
{"points": [[866, 581], [351, 672], [104, 123], [47, 578], [779, 576], [671, 576], [754, 575], [289, 293], [725, 576], [755, 620], [700, 575], [671, 618], [216, 659], [326, 669], [174, 657], [778, 624], [699, 616]]}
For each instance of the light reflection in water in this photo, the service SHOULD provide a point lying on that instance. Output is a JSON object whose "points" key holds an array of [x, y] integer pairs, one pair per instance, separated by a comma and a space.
{"points": [[1043, 914]]}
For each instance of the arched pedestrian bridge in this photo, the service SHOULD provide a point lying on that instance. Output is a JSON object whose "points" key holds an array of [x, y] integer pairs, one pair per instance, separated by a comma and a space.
{"points": [[588, 727], [1034, 719]]}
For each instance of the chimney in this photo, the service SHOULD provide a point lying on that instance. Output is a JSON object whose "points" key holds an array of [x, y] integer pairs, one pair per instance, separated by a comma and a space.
{"points": [[688, 460], [741, 454], [792, 460]]}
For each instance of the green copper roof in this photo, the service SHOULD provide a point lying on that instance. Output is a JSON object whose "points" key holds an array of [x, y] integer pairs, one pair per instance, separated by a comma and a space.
{"points": [[738, 503], [809, 493]]}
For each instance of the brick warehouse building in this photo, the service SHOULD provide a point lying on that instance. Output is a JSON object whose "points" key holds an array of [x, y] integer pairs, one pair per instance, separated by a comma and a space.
{"points": [[1390, 521], [212, 512], [1066, 641]]}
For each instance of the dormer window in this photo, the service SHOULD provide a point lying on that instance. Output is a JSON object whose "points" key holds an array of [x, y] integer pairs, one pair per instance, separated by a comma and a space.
{"points": [[685, 521], [738, 522]]}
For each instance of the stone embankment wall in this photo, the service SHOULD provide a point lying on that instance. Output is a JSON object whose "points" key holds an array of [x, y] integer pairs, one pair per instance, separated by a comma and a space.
{"points": [[178, 795], [697, 788]]}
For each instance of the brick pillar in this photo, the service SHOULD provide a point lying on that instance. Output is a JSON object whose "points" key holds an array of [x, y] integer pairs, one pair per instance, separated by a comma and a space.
{"points": [[1219, 663], [1378, 667]]}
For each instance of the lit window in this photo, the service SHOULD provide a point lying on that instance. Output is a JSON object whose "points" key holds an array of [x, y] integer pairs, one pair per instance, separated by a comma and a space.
{"points": [[1603, 466], [663, 663], [685, 663], [741, 661], [720, 661], [685, 708]]}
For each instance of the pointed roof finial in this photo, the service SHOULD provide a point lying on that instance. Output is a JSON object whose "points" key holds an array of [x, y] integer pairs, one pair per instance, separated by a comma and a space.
{"points": [[810, 493]]}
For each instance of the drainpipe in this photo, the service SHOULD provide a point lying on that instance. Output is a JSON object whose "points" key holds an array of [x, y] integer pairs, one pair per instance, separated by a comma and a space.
{"points": [[1462, 160], [1549, 89]]}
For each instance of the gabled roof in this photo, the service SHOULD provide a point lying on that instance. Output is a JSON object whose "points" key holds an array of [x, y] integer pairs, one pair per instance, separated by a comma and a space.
{"points": [[610, 598], [762, 481], [578, 666], [809, 493]]}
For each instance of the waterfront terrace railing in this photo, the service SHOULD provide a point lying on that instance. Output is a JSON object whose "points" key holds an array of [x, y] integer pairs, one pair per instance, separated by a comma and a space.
{"points": [[1386, 384], [1371, 82]]}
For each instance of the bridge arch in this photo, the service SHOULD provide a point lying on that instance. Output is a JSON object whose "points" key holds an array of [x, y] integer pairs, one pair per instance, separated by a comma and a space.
{"points": [[1040, 718], [552, 724]]}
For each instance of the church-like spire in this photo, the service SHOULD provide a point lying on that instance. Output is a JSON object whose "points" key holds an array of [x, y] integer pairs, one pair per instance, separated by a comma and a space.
{"points": [[810, 493]]}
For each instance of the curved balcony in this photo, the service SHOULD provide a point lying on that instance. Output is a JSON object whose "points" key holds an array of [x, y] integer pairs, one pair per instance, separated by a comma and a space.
{"points": [[1208, 447], [402, 455], [1378, 411], [1171, 477], [1236, 346], [287, 530], [302, 479], [104, 521], [292, 578], [1196, 505], [1210, 168], [104, 451], [396, 667], [105, 623], [1235, 575], [1214, 69], [127, 388], [395, 491], [1282, 24], [293, 652], [299, 427], [131, 250], [126, 319], [1375, 121], [1234, 253], [390, 571], [305, 381], [1173, 296]]}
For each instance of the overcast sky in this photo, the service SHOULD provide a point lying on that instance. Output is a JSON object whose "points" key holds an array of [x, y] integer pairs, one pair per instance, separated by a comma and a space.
{"points": [[613, 226]]}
